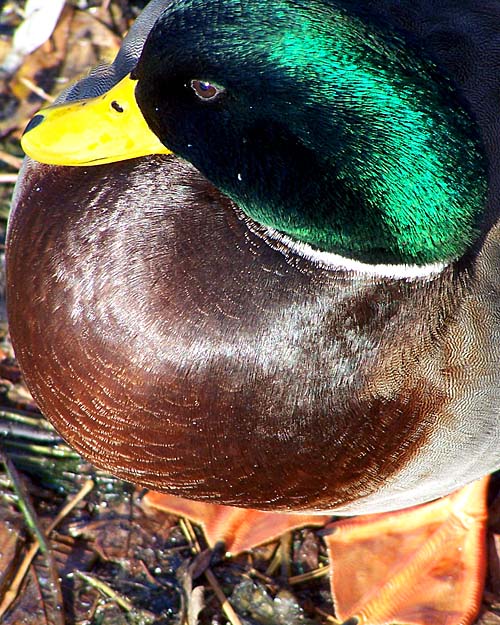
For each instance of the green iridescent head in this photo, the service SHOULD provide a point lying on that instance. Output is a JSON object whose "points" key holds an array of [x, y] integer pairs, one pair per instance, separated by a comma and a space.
{"points": [[319, 124]]}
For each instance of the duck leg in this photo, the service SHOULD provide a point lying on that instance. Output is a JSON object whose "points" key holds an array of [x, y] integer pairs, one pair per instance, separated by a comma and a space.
{"points": [[420, 566], [240, 529]]}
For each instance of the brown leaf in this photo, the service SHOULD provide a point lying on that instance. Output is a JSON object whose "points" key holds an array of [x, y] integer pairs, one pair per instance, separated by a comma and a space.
{"points": [[193, 597], [12, 539]]}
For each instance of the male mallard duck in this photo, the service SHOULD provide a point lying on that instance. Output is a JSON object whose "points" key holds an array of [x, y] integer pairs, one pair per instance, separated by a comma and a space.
{"points": [[302, 313]]}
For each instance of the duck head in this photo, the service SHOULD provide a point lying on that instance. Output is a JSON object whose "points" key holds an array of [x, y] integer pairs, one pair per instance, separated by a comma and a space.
{"points": [[317, 122]]}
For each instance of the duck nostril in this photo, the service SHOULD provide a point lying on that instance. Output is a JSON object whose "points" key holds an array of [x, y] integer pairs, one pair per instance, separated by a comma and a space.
{"points": [[36, 121], [117, 106]]}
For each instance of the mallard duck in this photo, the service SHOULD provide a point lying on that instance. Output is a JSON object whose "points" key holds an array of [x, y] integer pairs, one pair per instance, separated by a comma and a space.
{"points": [[294, 304]]}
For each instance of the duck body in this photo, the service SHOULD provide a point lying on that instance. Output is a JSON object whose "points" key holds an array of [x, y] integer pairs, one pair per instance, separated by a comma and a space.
{"points": [[181, 345], [295, 307]]}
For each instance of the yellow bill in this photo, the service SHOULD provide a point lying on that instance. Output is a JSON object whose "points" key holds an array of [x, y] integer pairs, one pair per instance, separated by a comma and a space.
{"points": [[99, 130]]}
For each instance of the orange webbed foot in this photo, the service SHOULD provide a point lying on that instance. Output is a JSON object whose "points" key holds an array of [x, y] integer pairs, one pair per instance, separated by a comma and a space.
{"points": [[420, 566], [240, 529]]}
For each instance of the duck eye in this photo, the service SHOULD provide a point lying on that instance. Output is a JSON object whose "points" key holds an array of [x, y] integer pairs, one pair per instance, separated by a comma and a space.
{"points": [[206, 90]]}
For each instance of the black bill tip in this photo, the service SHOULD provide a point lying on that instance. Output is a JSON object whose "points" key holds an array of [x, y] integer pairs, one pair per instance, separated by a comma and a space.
{"points": [[36, 121]]}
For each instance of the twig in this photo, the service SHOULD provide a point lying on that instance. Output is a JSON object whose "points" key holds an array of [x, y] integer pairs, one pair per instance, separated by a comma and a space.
{"points": [[106, 590], [19, 430], [10, 159], [265, 578], [24, 503], [8, 178], [188, 531], [285, 546], [26, 417], [13, 591], [36, 89], [275, 562], [45, 451], [310, 575], [227, 608], [328, 617]]}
